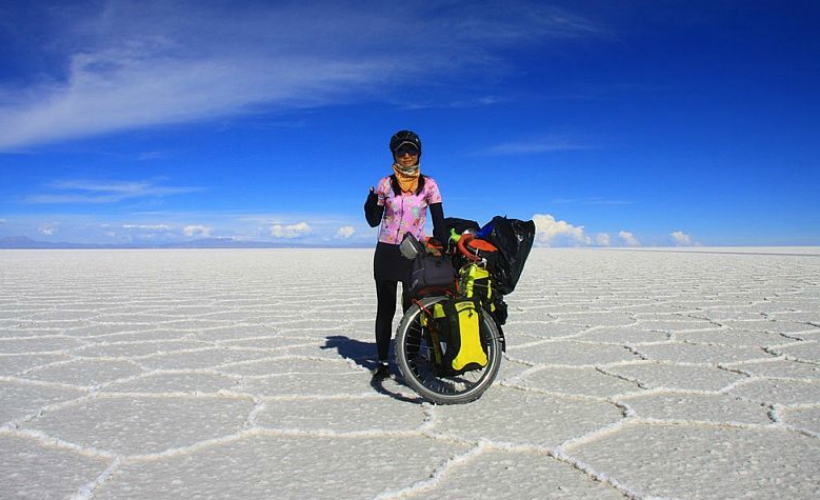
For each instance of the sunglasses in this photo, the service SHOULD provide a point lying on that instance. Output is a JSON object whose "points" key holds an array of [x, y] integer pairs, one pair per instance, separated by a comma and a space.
{"points": [[407, 150]]}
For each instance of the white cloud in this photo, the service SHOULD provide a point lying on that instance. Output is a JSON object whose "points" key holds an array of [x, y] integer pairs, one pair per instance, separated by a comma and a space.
{"points": [[603, 239], [153, 155], [48, 229], [545, 144], [93, 192], [345, 232], [293, 231], [629, 239], [681, 238], [138, 64], [196, 230], [148, 227], [548, 230]]}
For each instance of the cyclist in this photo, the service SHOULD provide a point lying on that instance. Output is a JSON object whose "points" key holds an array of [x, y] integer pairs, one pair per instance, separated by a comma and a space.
{"points": [[399, 202]]}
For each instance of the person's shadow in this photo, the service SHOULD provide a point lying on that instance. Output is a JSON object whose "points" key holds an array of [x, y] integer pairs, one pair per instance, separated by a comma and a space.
{"points": [[362, 354]]}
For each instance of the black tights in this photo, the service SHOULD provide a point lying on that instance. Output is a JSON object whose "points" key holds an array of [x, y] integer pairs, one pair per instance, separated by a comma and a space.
{"points": [[386, 295]]}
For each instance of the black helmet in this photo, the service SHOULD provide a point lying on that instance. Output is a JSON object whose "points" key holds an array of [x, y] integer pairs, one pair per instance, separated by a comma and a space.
{"points": [[402, 137]]}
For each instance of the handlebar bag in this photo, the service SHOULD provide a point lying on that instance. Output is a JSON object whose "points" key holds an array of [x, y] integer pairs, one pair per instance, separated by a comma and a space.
{"points": [[431, 274]]}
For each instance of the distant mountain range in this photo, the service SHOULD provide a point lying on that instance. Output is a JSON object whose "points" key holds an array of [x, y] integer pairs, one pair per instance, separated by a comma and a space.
{"points": [[23, 242]]}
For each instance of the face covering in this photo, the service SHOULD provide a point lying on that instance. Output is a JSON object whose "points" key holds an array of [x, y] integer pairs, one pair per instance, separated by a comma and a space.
{"points": [[408, 177]]}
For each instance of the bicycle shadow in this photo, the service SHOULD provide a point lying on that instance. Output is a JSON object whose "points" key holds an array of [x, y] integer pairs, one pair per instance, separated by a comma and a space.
{"points": [[362, 354]]}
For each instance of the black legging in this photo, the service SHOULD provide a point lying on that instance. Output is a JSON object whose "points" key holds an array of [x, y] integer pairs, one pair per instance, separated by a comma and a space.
{"points": [[389, 268], [386, 292]]}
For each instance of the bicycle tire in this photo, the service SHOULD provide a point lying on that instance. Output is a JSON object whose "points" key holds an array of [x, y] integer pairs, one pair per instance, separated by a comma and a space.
{"points": [[413, 359]]}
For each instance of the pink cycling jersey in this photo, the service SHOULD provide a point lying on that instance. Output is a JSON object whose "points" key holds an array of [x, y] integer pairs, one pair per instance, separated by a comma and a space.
{"points": [[406, 213]]}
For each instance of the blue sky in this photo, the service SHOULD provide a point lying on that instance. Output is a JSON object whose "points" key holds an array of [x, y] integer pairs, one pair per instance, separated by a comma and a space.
{"points": [[609, 123]]}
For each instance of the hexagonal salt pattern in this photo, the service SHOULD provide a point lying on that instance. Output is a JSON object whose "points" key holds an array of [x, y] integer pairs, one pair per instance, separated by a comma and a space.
{"points": [[187, 382], [524, 418], [19, 363], [576, 381], [32, 470], [84, 372], [804, 418], [261, 467], [217, 374], [785, 392], [506, 475], [341, 415], [691, 461], [27, 398], [134, 425], [699, 377], [570, 352], [695, 407]]}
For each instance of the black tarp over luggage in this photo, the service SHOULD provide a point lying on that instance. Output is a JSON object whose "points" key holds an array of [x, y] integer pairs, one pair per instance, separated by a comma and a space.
{"points": [[514, 239]]}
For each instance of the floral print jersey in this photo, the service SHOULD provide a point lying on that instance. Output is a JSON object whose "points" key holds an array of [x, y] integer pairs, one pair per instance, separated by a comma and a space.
{"points": [[406, 213]]}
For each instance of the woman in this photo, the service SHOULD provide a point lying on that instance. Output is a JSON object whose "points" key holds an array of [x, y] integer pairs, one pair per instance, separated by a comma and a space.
{"points": [[399, 203]]}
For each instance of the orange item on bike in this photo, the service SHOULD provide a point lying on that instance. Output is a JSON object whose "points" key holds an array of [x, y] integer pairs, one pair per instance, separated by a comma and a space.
{"points": [[476, 249], [481, 245]]}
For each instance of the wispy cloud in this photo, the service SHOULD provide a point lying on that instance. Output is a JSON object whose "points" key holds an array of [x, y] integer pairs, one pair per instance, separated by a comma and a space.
{"points": [[153, 155], [148, 227], [95, 192], [544, 144], [137, 64]]}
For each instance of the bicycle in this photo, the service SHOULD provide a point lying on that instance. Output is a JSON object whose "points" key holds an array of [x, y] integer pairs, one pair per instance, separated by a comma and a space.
{"points": [[420, 350]]}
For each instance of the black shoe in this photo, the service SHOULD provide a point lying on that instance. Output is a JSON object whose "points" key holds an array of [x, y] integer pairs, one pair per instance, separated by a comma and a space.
{"points": [[382, 371]]}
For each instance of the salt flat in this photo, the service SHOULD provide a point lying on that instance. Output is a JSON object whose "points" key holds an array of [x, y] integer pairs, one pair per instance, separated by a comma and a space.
{"points": [[242, 374]]}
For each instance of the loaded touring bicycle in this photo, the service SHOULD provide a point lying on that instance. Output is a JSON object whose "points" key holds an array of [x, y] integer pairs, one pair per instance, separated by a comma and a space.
{"points": [[450, 341]]}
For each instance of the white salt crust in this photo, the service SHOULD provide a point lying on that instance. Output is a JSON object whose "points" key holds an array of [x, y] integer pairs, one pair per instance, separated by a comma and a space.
{"points": [[243, 374]]}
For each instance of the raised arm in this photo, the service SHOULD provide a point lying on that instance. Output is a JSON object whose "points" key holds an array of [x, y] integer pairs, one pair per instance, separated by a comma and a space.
{"points": [[373, 212]]}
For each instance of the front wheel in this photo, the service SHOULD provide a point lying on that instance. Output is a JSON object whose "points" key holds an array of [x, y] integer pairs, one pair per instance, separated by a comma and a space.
{"points": [[414, 356]]}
